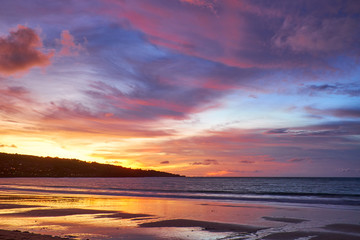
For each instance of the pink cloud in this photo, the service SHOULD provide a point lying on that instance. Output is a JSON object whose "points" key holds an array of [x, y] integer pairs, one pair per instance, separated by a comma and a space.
{"points": [[13, 99], [19, 51], [69, 47], [149, 106], [206, 162], [190, 30], [210, 4], [77, 119], [247, 161], [243, 34]]}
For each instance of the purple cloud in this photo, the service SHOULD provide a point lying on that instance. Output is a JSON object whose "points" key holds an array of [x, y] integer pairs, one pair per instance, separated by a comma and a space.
{"points": [[206, 162], [247, 161], [337, 112], [267, 34], [277, 131], [350, 89], [295, 160]]}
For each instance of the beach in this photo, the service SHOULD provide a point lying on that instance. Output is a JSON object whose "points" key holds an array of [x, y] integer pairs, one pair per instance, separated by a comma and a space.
{"points": [[91, 217], [47, 209]]}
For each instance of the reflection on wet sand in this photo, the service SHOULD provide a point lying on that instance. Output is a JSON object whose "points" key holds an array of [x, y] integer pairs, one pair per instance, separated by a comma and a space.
{"points": [[95, 218]]}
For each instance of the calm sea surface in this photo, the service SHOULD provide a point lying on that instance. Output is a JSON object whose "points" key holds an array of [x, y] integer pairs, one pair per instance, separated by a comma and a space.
{"points": [[329, 191]]}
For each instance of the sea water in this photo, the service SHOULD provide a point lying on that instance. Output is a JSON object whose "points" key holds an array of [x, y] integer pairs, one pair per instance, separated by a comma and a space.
{"points": [[320, 191]]}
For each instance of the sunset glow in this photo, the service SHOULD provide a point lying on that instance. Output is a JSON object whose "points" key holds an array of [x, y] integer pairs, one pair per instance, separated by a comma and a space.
{"points": [[198, 88]]}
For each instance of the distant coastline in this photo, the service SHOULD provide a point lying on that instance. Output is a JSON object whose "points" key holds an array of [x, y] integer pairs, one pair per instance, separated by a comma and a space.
{"points": [[19, 165]]}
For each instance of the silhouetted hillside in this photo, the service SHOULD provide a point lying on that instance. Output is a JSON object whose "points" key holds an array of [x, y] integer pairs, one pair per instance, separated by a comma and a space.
{"points": [[17, 165]]}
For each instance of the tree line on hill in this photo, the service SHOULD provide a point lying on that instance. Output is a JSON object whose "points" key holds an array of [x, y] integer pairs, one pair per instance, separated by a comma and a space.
{"points": [[18, 165]]}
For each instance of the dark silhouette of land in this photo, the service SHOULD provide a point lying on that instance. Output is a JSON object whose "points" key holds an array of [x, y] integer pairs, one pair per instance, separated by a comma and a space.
{"points": [[17, 165]]}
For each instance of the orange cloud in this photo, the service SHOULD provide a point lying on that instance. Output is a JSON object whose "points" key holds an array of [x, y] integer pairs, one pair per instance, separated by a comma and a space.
{"points": [[19, 51], [218, 173]]}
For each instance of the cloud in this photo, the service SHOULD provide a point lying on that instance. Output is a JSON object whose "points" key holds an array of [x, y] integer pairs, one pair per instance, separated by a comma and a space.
{"points": [[324, 141], [210, 4], [14, 100], [67, 116], [350, 89], [264, 35], [349, 170], [246, 161], [335, 112], [153, 99], [218, 173], [312, 34], [295, 160], [232, 173], [164, 162], [19, 51], [277, 131], [206, 162], [69, 47], [194, 32], [8, 146], [334, 128]]}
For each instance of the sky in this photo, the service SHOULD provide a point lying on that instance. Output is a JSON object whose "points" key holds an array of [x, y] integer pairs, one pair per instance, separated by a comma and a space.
{"points": [[214, 88]]}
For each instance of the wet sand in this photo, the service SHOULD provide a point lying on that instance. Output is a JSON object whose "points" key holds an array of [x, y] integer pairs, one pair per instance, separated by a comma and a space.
{"points": [[285, 220], [99, 218], [312, 236], [56, 212], [207, 226], [11, 206], [350, 228]]}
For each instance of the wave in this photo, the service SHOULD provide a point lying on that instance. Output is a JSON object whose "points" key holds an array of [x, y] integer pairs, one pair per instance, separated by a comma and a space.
{"points": [[233, 196]]}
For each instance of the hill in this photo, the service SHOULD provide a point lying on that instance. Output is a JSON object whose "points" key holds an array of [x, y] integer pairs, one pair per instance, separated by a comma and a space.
{"points": [[17, 165]]}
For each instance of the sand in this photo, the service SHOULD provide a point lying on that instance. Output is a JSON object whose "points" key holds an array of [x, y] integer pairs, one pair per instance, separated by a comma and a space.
{"points": [[17, 235]]}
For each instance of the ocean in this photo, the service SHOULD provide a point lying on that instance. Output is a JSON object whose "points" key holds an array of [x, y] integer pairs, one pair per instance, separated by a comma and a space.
{"points": [[320, 191]]}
